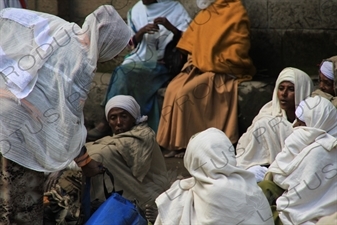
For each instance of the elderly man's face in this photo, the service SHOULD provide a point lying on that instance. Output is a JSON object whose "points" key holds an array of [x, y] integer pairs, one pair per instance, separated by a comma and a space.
{"points": [[325, 84], [120, 120]]}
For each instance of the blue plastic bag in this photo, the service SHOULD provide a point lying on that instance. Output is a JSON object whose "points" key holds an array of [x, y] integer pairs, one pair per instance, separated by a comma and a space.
{"points": [[115, 210]]}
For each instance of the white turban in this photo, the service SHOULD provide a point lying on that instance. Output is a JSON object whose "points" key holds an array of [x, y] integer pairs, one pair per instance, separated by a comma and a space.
{"points": [[127, 103], [327, 69], [203, 4]]}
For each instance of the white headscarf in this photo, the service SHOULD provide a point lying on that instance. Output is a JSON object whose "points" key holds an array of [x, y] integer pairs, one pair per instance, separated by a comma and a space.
{"points": [[302, 163], [303, 88], [103, 31], [107, 37], [327, 70], [203, 4], [127, 103], [44, 101], [218, 191]]}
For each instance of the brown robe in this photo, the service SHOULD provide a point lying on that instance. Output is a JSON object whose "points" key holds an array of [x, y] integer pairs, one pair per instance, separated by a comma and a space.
{"points": [[204, 94]]}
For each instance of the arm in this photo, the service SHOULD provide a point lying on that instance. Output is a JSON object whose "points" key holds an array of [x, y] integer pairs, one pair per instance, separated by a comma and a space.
{"points": [[89, 166]]}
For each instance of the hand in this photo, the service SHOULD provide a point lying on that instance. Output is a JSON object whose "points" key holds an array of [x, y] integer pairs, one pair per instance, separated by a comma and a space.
{"points": [[150, 28], [258, 171], [92, 168], [167, 24]]}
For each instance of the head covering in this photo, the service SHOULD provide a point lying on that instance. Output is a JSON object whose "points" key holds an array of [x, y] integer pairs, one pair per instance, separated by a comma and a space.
{"points": [[302, 164], [203, 4], [333, 59], [127, 103], [318, 112], [227, 50], [303, 88], [65, 58], [327, 70], [108, 33], [31, 38], [211, 196]]}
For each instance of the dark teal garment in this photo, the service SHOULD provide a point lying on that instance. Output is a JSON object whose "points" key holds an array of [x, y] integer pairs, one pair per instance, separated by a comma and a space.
{"points": [[142, 82]]}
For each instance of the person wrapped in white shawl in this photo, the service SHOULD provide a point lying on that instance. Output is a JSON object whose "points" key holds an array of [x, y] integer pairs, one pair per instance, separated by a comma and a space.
{"points": [[264, 139], [218, 192], [306, 167]]}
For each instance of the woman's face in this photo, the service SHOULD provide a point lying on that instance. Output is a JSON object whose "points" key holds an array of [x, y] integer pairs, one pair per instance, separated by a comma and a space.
{"points": [[286, 95]]}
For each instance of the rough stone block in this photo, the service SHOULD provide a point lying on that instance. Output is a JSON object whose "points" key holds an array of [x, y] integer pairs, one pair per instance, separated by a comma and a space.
{"points": [[305, 49], [289, 14], [266, 51], [258, 13]]}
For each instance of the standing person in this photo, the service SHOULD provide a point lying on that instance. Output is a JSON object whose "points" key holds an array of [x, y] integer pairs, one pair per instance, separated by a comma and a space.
{"points": [[132, 154], [155, 23], [327, 77], [205, 93], [306, 168], [264, 139], [47, 65], [218, 192]]}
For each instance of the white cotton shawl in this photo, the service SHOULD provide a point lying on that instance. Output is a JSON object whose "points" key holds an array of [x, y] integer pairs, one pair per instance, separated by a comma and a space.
{"points": [[306, 167], [218, 192], [141, 15], [264, 138], [42, 126]]}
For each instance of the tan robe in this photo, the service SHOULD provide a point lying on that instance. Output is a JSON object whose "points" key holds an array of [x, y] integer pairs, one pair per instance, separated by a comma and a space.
{"points": [[136, 162], [204, 94]]}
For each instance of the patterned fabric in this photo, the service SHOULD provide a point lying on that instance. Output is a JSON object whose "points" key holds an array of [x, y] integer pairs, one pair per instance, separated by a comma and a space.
{"points": [[21, 193], [62, 197]]}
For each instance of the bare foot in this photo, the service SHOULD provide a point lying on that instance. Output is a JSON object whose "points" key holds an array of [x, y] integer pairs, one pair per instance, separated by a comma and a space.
{"points": [[151, 213]]}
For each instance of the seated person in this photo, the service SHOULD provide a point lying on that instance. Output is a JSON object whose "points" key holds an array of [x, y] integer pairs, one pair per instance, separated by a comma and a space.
{"points": [[155, 24], [218, 192], [132, 154], [306, 168], [328, 80], [205, 93], [264, 139]]}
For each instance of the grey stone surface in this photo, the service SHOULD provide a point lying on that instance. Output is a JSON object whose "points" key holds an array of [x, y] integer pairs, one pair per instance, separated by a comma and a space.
{"points": [[258, 13]]}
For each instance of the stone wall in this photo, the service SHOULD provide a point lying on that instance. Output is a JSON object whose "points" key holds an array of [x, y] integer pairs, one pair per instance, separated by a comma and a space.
{"points": [[296, 33]]}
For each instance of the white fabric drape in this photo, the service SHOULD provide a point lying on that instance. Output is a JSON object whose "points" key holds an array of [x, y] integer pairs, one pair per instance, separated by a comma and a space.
{"points": [[264, 139], [141, 15], [42, 126], [306, 167], [218, 192]]}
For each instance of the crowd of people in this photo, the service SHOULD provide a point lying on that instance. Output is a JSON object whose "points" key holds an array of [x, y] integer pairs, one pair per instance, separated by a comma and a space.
{"points": [[282, 170]]}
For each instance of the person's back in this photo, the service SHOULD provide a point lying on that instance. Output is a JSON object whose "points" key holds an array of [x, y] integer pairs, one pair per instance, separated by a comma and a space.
{"points": [[218, 192], [306, 167]]}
